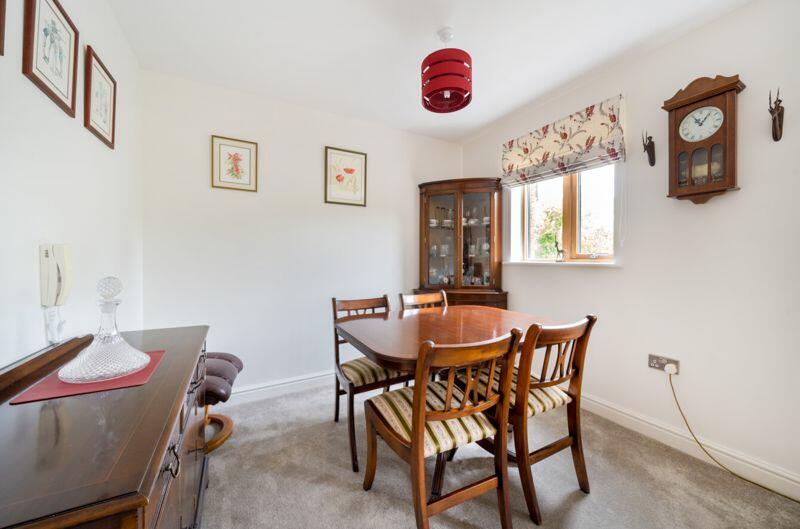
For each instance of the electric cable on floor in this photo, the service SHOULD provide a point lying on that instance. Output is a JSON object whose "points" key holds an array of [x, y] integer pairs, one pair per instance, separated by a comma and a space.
{"points": [[714, 459]]}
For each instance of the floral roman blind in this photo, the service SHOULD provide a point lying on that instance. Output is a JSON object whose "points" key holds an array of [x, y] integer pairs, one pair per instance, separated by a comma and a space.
{"points": [[585, 139]]}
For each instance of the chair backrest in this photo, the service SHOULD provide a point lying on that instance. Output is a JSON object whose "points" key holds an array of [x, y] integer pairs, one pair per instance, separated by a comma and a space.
{"points": [[564, 355], [423, 301], [473, 360], [353, 308]]}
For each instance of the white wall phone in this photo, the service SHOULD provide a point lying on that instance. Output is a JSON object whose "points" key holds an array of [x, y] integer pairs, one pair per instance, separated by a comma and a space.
{"points": [[55, 274]]}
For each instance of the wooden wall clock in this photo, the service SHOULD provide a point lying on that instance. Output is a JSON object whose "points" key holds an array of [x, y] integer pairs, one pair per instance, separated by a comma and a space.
{"points": [[702, 138]]}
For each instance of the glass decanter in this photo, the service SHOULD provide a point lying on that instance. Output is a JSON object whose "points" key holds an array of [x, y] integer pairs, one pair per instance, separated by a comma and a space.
{"points": [[109, 356]]}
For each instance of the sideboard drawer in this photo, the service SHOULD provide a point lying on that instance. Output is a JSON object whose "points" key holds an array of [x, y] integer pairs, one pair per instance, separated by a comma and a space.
{"points": [[169, 471], [175, 494]]}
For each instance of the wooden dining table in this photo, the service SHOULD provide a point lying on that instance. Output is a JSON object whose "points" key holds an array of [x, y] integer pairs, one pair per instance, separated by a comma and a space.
{"points": [[392, 339]]}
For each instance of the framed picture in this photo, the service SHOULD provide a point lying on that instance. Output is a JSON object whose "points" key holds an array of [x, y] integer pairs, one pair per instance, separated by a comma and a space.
{"points": [[50, 52], [345, 177], [99, 99], [234, 164], [2, 26]]}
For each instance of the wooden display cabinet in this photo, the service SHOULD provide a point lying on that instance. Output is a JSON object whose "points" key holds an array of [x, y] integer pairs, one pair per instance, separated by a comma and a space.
{"points": [[460, 241]]}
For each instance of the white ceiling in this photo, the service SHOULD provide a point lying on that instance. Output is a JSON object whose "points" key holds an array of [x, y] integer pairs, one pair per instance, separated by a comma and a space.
{"points": [[361, 58]]}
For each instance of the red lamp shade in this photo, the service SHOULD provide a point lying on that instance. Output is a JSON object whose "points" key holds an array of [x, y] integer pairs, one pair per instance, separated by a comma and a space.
{"points": [[446, 80]]}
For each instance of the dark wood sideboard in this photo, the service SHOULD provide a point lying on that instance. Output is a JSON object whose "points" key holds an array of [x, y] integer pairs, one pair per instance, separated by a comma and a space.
{"points": [[131, 458]]}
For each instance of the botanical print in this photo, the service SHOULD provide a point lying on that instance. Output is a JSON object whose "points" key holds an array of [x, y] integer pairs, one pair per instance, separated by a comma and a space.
{"points": [[345, 177], [102, 101], [53, 45], [101, 105], [233, 166], [346, 183], [234, 163], [100, 96], [585, 139]]}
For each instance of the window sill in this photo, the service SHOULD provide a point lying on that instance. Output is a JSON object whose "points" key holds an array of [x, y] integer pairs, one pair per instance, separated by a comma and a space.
{"points": [[570, 264]]}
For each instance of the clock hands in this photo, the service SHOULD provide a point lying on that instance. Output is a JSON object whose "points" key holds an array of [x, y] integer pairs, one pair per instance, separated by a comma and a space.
{"points": [[699, 122]]}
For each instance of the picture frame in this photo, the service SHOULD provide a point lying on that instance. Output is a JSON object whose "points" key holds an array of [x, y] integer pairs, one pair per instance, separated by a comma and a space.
{"points": [[2, 27], [50, 52], [99, 99], [345, 177], [234, 164]]}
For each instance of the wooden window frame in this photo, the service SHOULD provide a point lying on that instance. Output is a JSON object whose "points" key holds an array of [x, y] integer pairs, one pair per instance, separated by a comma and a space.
{"points": [[569, 227]]}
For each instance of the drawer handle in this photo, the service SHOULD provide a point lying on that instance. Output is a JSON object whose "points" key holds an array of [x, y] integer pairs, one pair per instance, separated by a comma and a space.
{"points": [[174, 467]]}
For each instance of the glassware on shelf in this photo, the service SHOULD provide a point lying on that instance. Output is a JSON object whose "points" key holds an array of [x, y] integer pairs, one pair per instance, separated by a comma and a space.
{"points": [[476, 243], [109, 356], [447, 222], [440, 210], [433, 222]]}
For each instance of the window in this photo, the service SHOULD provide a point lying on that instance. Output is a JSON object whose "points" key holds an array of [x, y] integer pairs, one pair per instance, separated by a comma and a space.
{"points": [[572, 214]]}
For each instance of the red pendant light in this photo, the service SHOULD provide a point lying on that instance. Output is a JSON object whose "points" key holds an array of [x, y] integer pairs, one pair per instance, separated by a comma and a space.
{"points": [[446, 78]]}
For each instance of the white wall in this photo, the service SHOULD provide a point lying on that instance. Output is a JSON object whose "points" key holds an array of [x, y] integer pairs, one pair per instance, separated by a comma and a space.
{"points": [[713, 285], [260, 268], [60, 184]]}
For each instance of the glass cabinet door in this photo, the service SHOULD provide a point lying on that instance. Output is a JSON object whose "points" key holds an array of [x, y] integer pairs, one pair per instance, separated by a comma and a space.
{"points": [[477, 244], [441, 235]]}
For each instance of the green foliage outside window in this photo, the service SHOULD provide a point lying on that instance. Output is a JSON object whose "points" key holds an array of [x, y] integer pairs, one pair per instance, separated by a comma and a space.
{"points": [[548, 233]]}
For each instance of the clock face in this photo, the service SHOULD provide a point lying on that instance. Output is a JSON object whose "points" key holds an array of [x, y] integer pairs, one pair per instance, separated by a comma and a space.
{"points": [[701, 124]]}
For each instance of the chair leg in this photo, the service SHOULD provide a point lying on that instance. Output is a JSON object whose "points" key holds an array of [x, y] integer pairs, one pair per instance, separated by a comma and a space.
{"points": [[438, 476], [418, 491], [501, 471], [525, 474], [574, 425], [372, 449], [338, 394], [351, 426], [452, 454]]}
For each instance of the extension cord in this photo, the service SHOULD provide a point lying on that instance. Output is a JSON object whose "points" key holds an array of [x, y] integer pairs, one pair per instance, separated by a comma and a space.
{"points": [[671, 369]]}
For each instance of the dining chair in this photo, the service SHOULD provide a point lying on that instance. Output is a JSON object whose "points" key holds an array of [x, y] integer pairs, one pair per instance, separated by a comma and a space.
{"points": [[423, 301], [564, 355], [362, 374], [434, 418]]}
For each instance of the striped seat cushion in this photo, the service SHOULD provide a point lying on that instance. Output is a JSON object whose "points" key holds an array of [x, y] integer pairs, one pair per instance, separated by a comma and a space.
{"points": [[363, 371], [540, 400], [440, 436]]}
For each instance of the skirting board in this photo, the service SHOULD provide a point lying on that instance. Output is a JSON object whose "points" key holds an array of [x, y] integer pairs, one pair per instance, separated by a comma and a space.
{"points": [[769, 475], [276, 388]]}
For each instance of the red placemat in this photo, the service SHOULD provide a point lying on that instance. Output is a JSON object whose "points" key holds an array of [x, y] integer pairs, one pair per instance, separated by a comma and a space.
{"points": [[51, 387]]}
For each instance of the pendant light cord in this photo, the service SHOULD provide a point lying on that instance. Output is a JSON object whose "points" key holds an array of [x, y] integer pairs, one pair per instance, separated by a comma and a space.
{"points": [[714, 459]]}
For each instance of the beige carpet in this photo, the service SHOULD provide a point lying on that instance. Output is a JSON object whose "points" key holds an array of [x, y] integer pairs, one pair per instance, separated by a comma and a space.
{"points": [[287, 466]]}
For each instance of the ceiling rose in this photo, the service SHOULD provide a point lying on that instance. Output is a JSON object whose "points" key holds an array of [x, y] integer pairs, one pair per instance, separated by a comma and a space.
{"points": [[446, 77]]}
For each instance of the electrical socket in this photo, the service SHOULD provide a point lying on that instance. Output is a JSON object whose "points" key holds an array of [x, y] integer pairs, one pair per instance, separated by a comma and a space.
{"points": [[659, 362]]}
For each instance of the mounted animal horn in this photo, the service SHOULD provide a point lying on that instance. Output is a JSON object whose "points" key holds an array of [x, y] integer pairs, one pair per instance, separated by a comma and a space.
{"points": [[776, 111]]}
